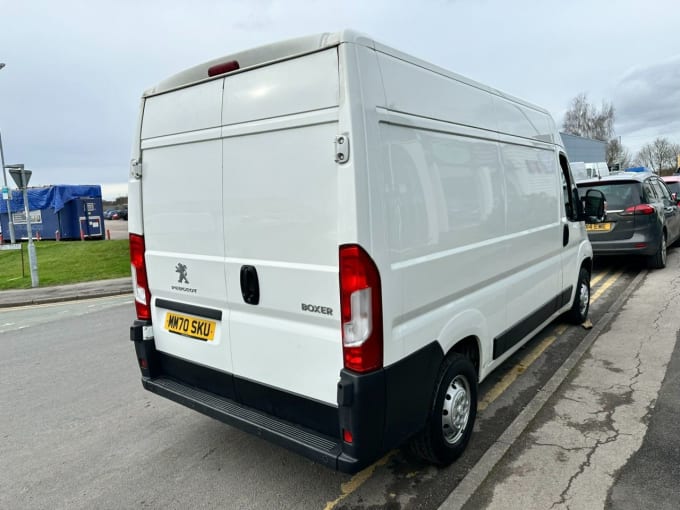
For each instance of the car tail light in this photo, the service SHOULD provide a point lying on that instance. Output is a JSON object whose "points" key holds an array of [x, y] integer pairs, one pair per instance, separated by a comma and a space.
{"points": [[140, 283], [639, 209], [223, 67], [360, 310]]}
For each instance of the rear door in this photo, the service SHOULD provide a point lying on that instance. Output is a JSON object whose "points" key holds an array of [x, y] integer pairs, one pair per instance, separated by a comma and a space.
{"points": [[281, 202], [184, 223]]}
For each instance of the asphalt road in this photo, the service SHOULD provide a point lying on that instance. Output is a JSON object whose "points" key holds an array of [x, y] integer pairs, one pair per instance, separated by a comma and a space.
{"points": [[82, 433], [117, 229]]}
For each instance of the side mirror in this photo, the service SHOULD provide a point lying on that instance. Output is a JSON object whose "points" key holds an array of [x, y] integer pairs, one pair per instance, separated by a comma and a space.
{"points": [[593, 206]]}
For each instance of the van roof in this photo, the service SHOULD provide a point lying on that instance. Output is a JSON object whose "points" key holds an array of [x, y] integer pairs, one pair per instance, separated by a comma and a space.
{"points": [[283, 50]]}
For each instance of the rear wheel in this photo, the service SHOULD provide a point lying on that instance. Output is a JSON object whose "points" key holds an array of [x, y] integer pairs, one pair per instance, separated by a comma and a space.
{"points": [[658, 260], [452, 413], [581, 305]]}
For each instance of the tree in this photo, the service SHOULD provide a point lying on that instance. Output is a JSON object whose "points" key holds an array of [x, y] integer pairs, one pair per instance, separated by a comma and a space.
{"points": [[659, 155], [618, 154], [584, 119]]}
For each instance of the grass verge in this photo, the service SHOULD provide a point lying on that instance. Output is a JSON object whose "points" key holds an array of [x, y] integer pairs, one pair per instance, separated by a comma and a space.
{"points": [[65, 262]]}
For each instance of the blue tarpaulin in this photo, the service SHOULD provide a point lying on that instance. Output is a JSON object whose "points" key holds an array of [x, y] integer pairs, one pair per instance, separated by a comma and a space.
{"points": [[53, 197]]}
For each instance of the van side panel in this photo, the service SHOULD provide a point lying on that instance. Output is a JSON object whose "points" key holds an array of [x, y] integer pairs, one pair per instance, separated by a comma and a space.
{"points": [[437, 97], [446, 209], [474, 219], [534, 238]]}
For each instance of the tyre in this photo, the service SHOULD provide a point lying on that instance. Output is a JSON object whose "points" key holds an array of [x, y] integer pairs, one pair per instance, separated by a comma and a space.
{"points": [[658, 260], [581, 305], [452, 413]]}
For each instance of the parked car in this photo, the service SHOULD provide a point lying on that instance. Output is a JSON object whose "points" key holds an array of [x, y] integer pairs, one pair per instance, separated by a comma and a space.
{"points": [[119, 214], [642, 218], [673, 184]]}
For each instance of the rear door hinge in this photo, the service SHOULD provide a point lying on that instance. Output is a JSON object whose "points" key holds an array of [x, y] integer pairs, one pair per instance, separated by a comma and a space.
{"points": [[136, 169], [342, 148]]}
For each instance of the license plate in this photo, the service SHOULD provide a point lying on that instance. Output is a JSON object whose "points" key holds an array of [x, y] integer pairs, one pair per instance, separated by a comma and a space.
{"points": [[193, 327], [598, 227]]}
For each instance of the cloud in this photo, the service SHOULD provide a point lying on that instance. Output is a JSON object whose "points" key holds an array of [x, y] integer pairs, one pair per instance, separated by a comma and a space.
{"points": [[647, 99]]}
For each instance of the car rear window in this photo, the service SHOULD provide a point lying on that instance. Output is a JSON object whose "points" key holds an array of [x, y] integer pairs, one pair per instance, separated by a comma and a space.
{"points": [[619, 195]]}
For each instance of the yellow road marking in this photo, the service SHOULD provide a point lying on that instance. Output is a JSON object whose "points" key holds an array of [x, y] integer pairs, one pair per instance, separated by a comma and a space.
{"points": [[358, 480], [597, 278], [608, 283], [514, 373], [501, 386]]}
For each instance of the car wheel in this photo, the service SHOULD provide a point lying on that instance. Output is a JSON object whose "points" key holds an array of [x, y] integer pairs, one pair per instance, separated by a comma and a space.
{"points": [[658, 260], [581, 305], [452, 413]]}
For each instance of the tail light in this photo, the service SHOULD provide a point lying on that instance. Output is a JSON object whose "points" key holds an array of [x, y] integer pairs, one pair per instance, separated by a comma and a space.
{"points": [[639, 209], [360, 310], [140, 283]]}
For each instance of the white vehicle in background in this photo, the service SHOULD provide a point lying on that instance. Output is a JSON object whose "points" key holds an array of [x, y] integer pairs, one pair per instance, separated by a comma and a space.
{"points": [[584, 171], [333, 242]]}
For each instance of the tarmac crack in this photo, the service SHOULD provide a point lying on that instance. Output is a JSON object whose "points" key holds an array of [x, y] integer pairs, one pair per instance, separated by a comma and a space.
{"points": [[608, 423]]}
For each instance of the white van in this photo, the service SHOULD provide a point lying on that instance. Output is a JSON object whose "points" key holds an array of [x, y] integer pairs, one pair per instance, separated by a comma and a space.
{"points": [[333, 242], [584, 171]]}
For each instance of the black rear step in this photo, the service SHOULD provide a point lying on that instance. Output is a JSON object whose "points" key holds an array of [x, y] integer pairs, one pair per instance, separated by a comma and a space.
{"points": [[318, 447]]}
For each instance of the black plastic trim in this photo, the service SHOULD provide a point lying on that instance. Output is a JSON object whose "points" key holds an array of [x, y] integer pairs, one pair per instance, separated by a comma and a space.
{"points": [[381, 409], [566, 296], [198, 376], [208, 313], [505, 341], [410, 386], [318, 447]]}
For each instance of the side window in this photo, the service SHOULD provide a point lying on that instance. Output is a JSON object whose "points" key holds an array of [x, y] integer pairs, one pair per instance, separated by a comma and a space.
{"points": [[662, 191], [649, 192], [571, 199]]}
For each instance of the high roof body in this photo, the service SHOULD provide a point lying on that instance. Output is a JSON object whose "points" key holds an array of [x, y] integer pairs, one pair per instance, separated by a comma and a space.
{"points": [[291, 48]]}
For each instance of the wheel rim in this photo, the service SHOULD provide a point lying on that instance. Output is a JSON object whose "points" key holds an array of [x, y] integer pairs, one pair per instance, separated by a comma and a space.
{"points": [[584, 298], [663, 250], [456, 409]]}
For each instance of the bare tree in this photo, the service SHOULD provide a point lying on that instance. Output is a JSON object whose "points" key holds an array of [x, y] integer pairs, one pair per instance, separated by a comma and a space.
{"points": [[617, 154], [658, 155], [584, 119], [645, 156]]}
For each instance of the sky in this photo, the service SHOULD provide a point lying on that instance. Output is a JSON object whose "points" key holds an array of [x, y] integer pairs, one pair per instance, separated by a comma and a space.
{"points": [[75, 70]]}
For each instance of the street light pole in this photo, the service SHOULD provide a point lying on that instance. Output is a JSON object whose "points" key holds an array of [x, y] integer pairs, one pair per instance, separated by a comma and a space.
{"points": [[4, 179]]}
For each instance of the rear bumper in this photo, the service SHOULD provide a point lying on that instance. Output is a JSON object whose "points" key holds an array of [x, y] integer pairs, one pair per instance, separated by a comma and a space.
{"points": [[380, 409], [631, 246], [320, 448]]}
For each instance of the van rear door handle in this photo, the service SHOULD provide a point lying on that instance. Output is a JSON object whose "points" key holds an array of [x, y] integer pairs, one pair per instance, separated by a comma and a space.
{"points": [[250, 286]]}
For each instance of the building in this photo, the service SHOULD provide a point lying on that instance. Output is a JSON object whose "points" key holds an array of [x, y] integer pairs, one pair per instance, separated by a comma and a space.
{"points": [[61, 211], [583, 149]]}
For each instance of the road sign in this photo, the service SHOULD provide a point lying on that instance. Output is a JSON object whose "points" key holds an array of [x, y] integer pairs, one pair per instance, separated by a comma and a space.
{"points": [[21, 177]]}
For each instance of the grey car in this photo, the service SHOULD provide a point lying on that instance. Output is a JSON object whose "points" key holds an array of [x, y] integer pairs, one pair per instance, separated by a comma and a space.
{"points": [[641, 216]]}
